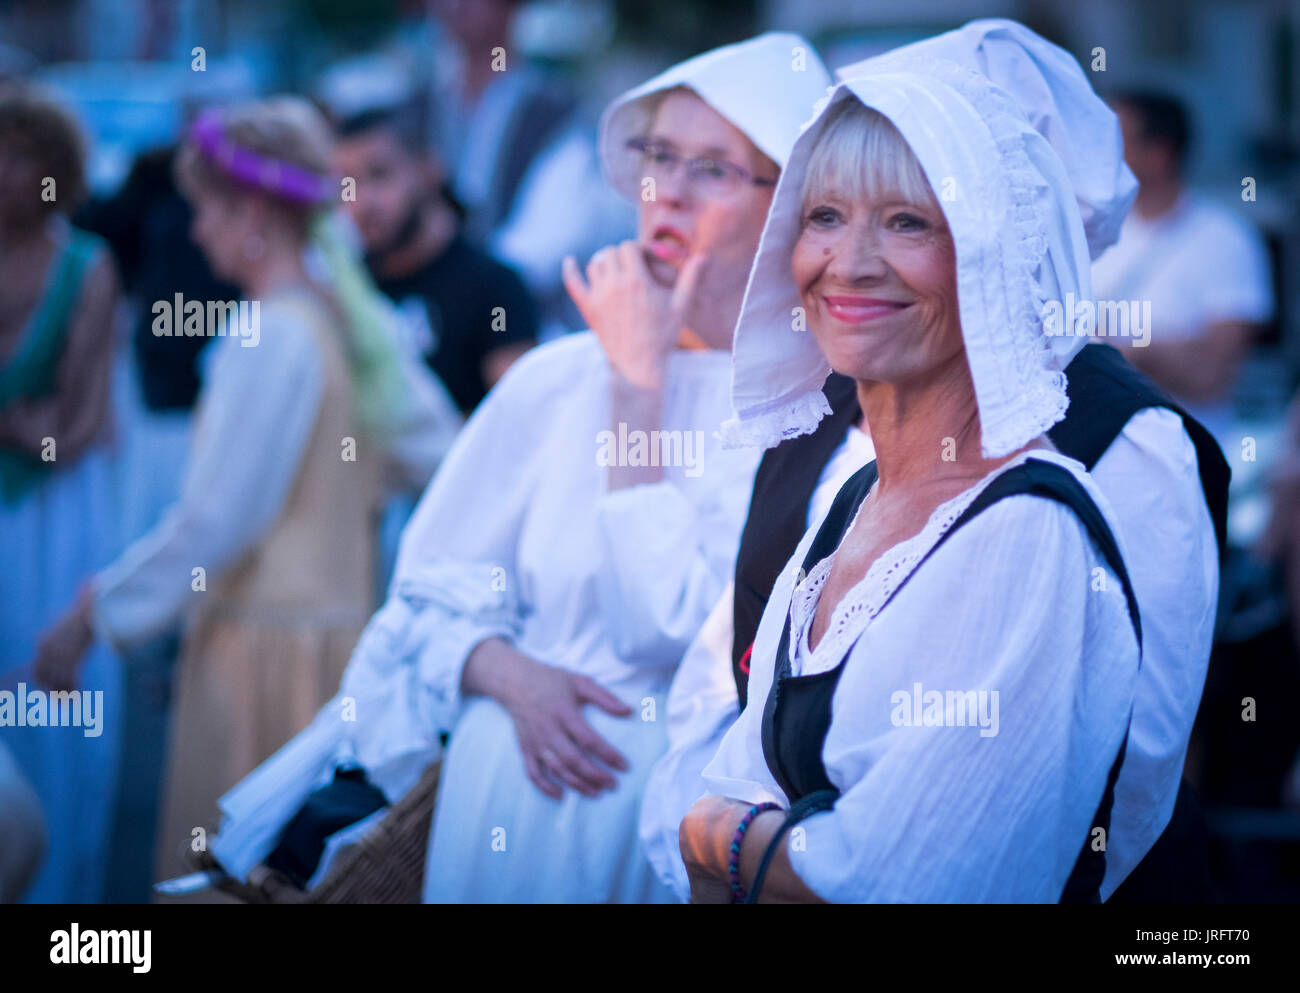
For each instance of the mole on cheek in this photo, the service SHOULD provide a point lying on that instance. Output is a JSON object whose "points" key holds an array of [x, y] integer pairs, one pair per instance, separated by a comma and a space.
{"points": [[826, 251]]}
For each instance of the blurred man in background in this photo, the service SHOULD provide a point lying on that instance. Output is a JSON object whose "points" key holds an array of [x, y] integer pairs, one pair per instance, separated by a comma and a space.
{"points": [[1204, 271], [471, 316], [496, 113]]}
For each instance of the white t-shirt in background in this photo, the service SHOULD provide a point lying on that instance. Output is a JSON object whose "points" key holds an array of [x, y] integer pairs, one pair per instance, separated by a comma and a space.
{"points": [[1198, 264]]}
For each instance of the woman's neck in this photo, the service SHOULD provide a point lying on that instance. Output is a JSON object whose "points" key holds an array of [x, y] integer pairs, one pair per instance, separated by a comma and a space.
{"points": [[25, 234], [281, 268], [1154, 200], [928, 431]]}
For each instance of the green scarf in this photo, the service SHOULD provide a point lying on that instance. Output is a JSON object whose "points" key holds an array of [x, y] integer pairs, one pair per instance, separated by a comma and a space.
{"points": [[32, 370]]}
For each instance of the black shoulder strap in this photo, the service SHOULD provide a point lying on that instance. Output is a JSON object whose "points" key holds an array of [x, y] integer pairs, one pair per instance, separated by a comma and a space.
{"points": [[778, 517], [1105, 392], [1036, 477], [840, 516]]}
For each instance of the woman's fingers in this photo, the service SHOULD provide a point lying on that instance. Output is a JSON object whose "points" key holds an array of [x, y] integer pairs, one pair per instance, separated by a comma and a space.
{"points": [[688, 282], [539, 777], [574, 284], [588, 778], [631, 258], [602, 265], [586, 738], [590, 691]]}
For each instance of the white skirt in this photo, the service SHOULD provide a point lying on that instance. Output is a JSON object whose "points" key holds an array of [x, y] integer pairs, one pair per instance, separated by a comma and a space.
{"points": [[496, 838]]}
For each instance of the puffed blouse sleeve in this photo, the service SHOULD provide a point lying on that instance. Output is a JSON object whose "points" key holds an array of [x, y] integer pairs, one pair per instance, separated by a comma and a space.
{"points": [[1019, 604], [455, 581], [668, 548], [255, 417]]}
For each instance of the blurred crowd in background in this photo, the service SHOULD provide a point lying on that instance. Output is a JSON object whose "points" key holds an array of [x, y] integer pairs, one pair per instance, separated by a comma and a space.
{"points": [[469, 128]]}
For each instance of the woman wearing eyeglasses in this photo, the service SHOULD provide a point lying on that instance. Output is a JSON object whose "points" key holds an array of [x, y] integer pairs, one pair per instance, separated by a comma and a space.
{"points": [[583, 524]]}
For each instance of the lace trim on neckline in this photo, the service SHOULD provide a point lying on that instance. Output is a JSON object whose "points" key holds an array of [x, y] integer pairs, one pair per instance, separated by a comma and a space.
{"points": [[866, 598]]}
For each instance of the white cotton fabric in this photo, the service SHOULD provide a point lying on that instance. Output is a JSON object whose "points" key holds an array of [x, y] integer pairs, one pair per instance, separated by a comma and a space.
{"points": [[765, 86], [860, 605], [1018, 237], [516, 537], [1049, 86], [702, 701], [1150, 476], [944, 813], [1196, 265]]}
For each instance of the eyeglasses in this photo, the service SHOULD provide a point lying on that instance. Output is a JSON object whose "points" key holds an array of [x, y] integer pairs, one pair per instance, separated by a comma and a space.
{"points": [[708, 179]]}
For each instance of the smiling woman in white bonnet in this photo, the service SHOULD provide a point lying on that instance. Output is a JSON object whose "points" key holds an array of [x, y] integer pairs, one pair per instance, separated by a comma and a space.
{"points": [[917, 229], [1160, 470]]}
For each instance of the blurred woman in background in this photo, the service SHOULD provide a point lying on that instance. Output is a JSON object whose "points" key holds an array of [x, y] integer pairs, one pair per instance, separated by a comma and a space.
{"points": [[58, 291], [272, 542]]}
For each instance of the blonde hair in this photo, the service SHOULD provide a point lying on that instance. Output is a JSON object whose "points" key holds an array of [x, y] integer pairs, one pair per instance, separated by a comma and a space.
{"points": [[290, 130], [286, 128], [860, 155]]}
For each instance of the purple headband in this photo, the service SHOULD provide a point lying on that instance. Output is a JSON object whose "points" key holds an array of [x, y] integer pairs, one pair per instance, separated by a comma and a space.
{"points": [[245, 166]]}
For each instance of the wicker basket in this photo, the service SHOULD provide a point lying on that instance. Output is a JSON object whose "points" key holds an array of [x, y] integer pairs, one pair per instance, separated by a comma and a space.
{"points": [[385, 866]]}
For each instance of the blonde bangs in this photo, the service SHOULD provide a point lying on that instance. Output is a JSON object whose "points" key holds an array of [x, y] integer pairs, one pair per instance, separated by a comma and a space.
{"points": [[862, 156]]}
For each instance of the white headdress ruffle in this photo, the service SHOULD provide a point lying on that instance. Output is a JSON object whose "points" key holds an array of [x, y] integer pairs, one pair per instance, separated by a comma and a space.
{"points": [[1050, 87]]}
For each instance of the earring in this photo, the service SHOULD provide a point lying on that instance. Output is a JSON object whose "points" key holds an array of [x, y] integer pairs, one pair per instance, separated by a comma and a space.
{"points": [[254, 247]]}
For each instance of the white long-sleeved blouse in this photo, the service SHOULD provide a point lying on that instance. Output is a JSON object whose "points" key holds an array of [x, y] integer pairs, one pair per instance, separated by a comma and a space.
{"points": [[1151, 478], [254, 420], [1013, 605], [519, 537]]}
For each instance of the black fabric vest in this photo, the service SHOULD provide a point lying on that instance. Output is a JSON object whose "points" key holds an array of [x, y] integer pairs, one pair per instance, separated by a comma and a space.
{"points": [[778, 516], [1105, 392], [797, 714]]}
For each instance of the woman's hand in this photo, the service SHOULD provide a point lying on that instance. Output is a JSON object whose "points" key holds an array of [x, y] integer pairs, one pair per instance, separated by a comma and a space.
{"points": [[63, 647], [705, 839], [546, 706], [637, 319]]}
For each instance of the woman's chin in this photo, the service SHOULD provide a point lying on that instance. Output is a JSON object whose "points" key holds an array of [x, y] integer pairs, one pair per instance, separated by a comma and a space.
{"points": [[663, 273]]}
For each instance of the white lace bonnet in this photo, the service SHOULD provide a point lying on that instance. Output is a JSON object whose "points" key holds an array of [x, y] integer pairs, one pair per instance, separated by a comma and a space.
{"points": [[765, 86], [1052, 90], [1018, 237]]}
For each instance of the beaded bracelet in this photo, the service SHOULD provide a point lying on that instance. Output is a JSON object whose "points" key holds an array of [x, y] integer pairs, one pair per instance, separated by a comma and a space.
{"points": [[733, 862]]}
